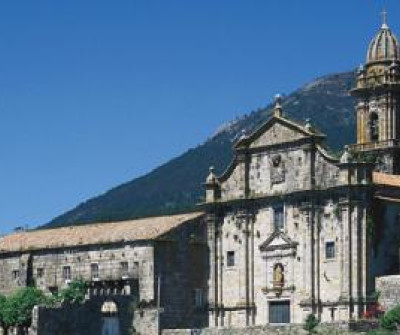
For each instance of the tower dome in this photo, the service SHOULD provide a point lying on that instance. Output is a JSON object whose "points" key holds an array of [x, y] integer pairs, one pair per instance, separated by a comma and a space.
{"points": [[384, 46]]}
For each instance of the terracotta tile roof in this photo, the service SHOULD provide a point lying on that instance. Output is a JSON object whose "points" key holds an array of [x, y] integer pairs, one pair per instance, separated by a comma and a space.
{"points": [[97, 233], [386, 179]]}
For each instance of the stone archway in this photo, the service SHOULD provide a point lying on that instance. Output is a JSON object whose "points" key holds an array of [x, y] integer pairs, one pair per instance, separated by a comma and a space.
{"points": [[110, 319]]}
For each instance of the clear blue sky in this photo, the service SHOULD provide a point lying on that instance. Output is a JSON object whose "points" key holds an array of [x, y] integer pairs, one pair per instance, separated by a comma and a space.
{"points": [[95, 93]]}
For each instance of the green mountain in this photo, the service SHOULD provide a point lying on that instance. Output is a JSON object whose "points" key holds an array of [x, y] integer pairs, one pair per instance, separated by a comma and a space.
{"points": [[177, 185]]}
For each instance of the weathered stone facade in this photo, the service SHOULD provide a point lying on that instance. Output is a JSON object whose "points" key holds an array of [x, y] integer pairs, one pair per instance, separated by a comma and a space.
{"points": [[284, 224], [388, 289], [165, 270], [287, 230], [293, 230]]}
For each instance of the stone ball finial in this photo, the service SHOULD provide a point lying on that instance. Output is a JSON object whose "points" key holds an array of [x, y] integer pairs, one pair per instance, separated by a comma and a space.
{"points": [[394, 67], [308, 124], [345, 158], [212, 178], [243, 134], [361, 69], [278, 111]]}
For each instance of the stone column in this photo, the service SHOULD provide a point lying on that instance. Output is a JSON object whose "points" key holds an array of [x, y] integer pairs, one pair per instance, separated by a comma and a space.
{"points": [[355, 258], [220, 265], [213, 264]]}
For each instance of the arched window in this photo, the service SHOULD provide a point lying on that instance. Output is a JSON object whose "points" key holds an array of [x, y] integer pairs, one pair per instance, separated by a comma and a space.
{"points": [[374, 127], [109, 308], [109, 311]]}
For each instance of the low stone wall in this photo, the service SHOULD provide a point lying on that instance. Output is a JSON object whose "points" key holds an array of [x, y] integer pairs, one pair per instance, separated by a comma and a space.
{"points": [[293, 330], [389, 289], [324, 329], [84, 319], [147, 321]]}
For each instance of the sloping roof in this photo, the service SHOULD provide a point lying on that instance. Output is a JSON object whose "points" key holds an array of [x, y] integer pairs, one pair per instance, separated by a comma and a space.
{"points": [[386, 179], [97, 233]]}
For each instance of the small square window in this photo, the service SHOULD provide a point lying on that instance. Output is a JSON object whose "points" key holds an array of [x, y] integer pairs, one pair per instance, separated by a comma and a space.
{"points": [[15, 275], [198, 298], [330, 250], [278, 218], [124, 269], [230, 258], [66, 273], [39, 272], [94, 270]]}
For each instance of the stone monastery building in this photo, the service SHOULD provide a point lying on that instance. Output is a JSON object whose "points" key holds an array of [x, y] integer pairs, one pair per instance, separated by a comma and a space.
{"points": [[287, 230]]}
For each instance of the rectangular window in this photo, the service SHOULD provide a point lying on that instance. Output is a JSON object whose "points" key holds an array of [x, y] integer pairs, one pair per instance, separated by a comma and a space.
{"points": [[230, 258], [198, 297], [66, 273], [94, 270], [278, 218], [39, 272], [279, 312], [15, 275], [330, 250], [124, 269], [135, 271]]}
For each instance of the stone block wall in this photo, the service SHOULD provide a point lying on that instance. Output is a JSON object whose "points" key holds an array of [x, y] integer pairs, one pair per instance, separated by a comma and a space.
{"points": [[85, 319], [262, 330], [147, 321], [323, 329], [181, 270], [389, 288], [45, 268]]}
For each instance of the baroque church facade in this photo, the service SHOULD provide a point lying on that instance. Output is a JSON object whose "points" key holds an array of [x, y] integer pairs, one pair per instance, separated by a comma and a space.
{"points": [[287, 230], [293, 230]]}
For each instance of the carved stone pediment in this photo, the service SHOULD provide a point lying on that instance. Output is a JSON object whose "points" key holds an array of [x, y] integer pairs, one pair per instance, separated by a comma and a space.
{"points": [[278, 241]]}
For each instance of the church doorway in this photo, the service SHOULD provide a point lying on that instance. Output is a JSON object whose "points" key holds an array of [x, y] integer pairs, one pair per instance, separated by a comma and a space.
{"points": [[110, 324], [279, 312]]}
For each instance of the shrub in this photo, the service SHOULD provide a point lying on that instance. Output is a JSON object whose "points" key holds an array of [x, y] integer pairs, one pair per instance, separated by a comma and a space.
{"points": [[311, 323], [74, 293], [391, 319]]}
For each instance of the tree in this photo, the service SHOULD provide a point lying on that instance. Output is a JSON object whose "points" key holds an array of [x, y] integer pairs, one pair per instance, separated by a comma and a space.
{"points": [[74, 293], [16, 310], [2, 305]]}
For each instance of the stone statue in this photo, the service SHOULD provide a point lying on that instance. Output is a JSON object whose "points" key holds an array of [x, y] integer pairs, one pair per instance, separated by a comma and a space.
{"points": [[277, 170], [278, 278]]}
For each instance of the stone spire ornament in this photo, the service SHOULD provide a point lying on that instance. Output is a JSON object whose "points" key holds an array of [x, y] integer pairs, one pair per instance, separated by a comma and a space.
{"points": [[278, 110], [212, 178]]}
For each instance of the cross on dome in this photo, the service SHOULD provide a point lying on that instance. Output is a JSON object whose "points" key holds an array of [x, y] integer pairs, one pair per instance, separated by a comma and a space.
{"points": [[384, 18]]}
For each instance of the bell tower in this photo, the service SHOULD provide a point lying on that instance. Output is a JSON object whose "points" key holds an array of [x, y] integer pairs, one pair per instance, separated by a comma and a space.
{"points": [[377, 93]]}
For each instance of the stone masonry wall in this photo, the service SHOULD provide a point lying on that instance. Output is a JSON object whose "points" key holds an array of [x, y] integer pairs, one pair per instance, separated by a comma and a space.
{"points": [[181, 270], [294, 330], [389, 288], [147, 321], [85, 319], [322, 329]]}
